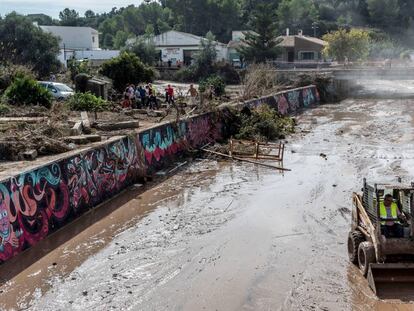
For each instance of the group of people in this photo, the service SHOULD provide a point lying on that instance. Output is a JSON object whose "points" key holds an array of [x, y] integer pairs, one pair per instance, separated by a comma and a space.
{"points": [[140, 97], [145, 97]]}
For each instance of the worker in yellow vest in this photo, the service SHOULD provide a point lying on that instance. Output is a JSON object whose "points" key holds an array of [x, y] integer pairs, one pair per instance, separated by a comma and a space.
{"points": [[390, 215]]}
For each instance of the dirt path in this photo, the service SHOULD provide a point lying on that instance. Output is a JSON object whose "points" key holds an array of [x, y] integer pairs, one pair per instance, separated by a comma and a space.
{"points": [[234, 236]]}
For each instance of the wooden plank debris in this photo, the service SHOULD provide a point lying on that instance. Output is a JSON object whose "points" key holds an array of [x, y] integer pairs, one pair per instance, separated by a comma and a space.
{"points": [[245, 160]]}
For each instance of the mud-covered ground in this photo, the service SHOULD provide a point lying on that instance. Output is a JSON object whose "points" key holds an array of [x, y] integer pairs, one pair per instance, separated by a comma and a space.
{"points": [[231, 236]]}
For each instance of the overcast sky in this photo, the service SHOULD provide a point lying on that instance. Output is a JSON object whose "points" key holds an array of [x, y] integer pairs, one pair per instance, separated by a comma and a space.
{"points": [[53, 7]]}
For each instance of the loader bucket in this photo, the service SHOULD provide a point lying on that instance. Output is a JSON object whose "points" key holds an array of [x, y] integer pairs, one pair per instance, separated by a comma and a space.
{"points": [[392, 280]]}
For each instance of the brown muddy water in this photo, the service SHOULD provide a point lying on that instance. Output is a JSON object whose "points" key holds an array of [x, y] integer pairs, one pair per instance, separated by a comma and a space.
{"points": [[230, 236]]}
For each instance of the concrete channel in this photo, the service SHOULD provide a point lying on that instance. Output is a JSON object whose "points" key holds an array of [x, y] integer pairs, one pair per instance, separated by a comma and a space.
{"points": [[229, 236]]}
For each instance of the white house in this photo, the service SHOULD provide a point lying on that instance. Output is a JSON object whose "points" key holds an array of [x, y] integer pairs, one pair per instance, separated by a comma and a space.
{"points": [[180, 48], [79, 43], [75, 38]]}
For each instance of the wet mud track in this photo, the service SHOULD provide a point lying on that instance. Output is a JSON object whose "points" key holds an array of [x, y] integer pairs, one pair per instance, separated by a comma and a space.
{"points": [[230, 236]]}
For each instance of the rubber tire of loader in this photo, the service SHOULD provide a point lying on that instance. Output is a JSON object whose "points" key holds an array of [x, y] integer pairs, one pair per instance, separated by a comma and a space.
{"points": [[354, 239], [366, 255]]}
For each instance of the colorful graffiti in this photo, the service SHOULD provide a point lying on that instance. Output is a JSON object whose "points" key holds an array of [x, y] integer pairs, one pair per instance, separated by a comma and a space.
{"points": [[203, 130], [282, 105], [163, 141], [100, 173], [37, 203], [288, 102], [308, 98], [33, 203], [294, 101]]}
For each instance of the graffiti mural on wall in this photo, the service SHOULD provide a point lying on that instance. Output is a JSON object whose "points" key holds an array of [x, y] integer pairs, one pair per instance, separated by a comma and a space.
{"points": [[202, 130], [36, 203], [308, 97], [290, 101], [294, 101], [163, 141], [100, 173], [33, 204], [282, 105]]}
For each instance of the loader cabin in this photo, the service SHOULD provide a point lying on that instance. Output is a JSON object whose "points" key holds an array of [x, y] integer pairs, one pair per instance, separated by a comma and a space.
{"points": [[402, 195], [388, 263]]}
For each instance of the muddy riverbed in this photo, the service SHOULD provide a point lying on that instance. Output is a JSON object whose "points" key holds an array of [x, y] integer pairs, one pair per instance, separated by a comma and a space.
{"points": [[231, 236]]}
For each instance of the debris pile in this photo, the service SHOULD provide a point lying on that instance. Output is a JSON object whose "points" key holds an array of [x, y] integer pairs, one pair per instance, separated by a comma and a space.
{"points": [[23, 140]]}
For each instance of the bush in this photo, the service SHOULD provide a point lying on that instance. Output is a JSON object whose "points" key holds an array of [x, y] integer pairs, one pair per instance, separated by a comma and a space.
{"points": [[186, 74], [193, 73], [145, 51], [215, 82], [81, 82], [228, 73], [26, 91], [87, 102], [126, 69], [77, 67], [9, 72], [4, 109], [264, 124]]}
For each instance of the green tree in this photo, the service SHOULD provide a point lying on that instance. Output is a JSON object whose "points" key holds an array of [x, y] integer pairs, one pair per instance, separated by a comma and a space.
{"points": [[261, 45], [69, 17], [41, 19], [297, 15], [200, 16], [126, 69], [353, 44], [23, 43], [145, 51], [90, 14], [383, 12], [207, 55], [120, 39]]}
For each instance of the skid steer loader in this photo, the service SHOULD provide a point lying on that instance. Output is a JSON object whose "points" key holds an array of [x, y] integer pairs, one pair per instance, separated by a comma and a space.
{"points": [[388, 263]]}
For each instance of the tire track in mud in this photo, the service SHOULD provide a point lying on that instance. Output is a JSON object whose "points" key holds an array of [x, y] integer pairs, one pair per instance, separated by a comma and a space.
{"points": [[150, 254]]}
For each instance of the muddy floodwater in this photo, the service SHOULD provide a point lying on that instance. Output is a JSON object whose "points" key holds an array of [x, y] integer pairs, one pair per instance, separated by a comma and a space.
{"points": [[230, 236]]}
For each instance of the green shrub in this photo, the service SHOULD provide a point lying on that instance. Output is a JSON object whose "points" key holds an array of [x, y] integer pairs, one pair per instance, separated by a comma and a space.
{"points": [[77, 67], [228, 73], [264, 123], [4, 109], [87, 102], [81, 82], [186, 74], [215, 82], [9, 72], [126, 69], [26, 91]]}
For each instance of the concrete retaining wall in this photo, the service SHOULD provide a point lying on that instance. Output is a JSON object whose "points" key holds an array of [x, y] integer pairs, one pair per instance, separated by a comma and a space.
{"points": [[289, 102], [36, 203]]}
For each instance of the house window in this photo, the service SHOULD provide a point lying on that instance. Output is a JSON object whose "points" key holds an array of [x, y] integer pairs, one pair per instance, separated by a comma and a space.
{"points": [[307, 55], [93, 39]]}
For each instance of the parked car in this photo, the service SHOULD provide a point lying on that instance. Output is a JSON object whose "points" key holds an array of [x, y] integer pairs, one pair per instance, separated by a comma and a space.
{"points": [[59, 91]]}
